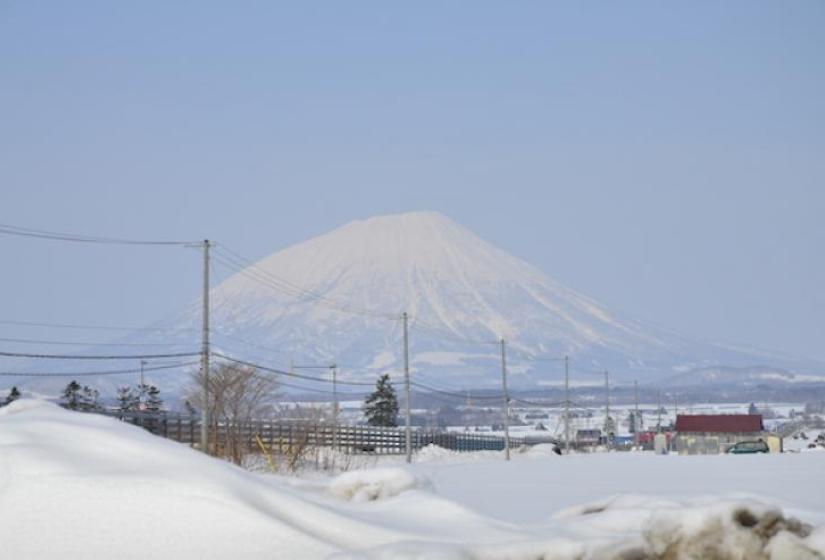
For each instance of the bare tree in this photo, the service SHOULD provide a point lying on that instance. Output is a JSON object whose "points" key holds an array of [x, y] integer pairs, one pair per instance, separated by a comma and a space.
{"points": [[237, 396]]}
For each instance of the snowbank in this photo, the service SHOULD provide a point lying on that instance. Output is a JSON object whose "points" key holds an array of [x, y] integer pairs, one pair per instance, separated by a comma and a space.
{"points": [[541, 450], [432, 453], [375, 484], [76, 485], [435, 454], [81, 486], [726, 530], [723, 531]]}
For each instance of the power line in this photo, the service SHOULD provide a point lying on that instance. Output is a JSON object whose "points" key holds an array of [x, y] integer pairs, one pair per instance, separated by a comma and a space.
{"points": [[98, 357], [247, 263], [536, 403], [316, 390], [343, 382], [426, 377], [67, 343], [274, 285], [584, 371], [86, 327], [456, 394], [530, 358], [437, 397], [248, 343], [419, 324], [251, 270], [7, 229], [287, 373], [95, 373]]}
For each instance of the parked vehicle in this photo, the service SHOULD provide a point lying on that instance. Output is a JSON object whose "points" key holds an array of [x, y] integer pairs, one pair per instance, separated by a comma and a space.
{"points": [[749, 447]]}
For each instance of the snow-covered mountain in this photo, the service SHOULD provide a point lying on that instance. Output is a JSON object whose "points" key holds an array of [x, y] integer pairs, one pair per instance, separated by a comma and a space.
{"points": [[338, 298]]}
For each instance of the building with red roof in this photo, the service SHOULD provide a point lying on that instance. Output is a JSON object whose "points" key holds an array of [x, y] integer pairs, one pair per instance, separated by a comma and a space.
{"points": [[719, 423], [711, 434]]}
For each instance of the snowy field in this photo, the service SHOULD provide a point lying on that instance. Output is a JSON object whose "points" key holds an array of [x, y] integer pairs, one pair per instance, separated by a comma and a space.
{"points": [[83, 486]]}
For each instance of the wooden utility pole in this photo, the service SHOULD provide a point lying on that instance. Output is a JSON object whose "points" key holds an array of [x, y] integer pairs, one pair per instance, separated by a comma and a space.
{"points": [[566, 404], [636, 420], [334, 369], [505, 402], [675, 408], [205, 351], [659, 411], [607, 423], [407, 415]]}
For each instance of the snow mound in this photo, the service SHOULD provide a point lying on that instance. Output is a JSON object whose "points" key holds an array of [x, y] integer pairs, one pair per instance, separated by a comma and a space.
{"points": [[746, 531], [80, 486], [541, 450], [680, 531], [23, 405], [376, 484], [432, 453], [700, 528]]}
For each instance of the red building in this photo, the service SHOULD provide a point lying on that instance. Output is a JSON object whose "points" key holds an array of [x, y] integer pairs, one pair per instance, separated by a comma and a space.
{"points": [[711, 434], [719, 423]]}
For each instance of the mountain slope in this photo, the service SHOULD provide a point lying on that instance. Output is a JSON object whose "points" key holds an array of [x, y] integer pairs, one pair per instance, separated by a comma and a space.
{"points": [[462, 294], [338, 298]]}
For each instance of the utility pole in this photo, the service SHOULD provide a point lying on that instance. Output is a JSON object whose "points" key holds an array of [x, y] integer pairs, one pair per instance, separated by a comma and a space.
{"points": [[566, 404], [659, 411], [334, 369], [407, 428], [142, 383], [205, 351], [505, 403], [607, 408], [636, 420]]}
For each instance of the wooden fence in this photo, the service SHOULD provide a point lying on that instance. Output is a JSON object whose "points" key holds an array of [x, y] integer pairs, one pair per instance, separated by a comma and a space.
{"points": [[278, 434]]}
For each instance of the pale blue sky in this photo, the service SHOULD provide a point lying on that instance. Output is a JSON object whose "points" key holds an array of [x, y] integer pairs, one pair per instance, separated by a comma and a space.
{"points": [[667, 159]]}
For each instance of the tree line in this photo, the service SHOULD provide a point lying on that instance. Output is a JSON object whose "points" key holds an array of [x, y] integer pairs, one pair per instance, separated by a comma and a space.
{"points": [[234, 390], [139, 398]]}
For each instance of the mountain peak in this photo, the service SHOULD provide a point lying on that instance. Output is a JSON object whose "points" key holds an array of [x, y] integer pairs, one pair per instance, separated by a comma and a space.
{"points": [[414, 229], [413, 217], [337, 298], [458, 288]]}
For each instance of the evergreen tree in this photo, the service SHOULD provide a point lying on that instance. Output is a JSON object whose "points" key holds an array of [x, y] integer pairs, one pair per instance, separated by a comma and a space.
{"points": [[126, 399], [72, 397], [153, 401], [141, 397], [609, 428], [381, 406], [88, 399], [13, 395]]}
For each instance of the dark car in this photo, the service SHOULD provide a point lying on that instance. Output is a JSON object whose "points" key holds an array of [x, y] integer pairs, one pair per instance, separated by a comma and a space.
{"points": [[749, 447]]}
